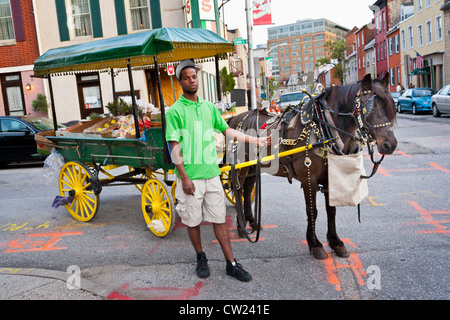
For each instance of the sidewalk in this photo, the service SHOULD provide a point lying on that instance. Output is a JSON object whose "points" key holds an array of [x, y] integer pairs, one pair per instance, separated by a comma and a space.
{"points": [[39, 284]]}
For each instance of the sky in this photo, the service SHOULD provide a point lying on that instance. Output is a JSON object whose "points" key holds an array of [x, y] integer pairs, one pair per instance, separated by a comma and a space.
{"points": [[347, 13]]}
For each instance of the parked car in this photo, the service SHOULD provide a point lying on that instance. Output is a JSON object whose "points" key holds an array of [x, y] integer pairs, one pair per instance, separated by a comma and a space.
{"points": [[395, 96], [17, 137], [440, 102], [291, 98], [415, 100]]}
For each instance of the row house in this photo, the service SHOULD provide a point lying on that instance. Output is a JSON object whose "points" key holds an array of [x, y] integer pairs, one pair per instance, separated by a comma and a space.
{"points": [[60, 23], [351, 57], [394, 58], [363, 36], [387, 14], [371, 58], [446, 14], [422, 45], [18, 50]]}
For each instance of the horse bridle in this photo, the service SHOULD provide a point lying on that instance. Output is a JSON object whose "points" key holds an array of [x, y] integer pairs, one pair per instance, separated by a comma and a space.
{"points": [[361, 113]]}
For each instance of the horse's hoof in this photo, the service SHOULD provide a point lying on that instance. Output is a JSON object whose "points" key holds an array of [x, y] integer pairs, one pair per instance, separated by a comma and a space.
{"points": [[254, 226], [319, 253], [341, 251]]}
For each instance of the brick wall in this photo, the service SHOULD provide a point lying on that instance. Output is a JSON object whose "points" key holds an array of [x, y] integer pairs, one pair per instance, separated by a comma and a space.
{"points": [[24, 52]]}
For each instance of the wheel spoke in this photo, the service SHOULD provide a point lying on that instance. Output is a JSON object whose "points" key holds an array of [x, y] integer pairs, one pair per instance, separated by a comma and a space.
{"points": [[69, 179]]}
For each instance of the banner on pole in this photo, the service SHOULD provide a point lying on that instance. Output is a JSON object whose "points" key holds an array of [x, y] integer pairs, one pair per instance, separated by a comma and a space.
{"points": [[262, 12], [269, 67]]}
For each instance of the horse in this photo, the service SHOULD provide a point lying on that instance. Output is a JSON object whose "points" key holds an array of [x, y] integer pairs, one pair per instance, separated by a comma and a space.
{"points": [[365, 109]]}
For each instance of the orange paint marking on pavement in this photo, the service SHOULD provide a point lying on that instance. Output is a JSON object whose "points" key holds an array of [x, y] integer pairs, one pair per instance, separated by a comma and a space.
{"points": [[428, 216], [332, 266], [38, 245]]}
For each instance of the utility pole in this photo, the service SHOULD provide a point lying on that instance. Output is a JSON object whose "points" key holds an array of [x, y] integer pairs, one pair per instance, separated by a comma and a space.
{"points": [[251, 66]]}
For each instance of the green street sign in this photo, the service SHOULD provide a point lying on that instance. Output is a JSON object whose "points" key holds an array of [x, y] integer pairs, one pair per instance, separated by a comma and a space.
{"points": [[240, 41]]}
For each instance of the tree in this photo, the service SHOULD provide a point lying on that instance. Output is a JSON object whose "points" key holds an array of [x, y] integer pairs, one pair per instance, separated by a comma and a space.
{"points": [[40, 104], [227, 82], [336, 52], [273, 86]]}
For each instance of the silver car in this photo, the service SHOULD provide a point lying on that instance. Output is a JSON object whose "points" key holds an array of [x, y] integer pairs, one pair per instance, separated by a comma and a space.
{"points": [[440, 102], [291, 98]]}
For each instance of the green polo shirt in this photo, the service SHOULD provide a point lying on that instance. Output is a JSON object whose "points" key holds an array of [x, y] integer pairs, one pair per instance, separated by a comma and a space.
{"points": [[192, 125]]}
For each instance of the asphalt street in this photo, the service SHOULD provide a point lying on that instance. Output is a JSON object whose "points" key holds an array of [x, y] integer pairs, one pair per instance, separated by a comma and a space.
{"points": [[400, 250]]}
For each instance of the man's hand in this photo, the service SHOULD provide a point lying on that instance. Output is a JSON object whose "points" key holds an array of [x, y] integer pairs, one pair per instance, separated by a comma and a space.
{"points": [[188, 186], [264, 141]]}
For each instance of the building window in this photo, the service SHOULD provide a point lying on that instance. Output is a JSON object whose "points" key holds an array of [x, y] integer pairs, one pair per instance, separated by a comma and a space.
{"points": [[397, 44], [392, 76], [80, 18], [11, 85], [140, 15], [429, 32], [6, 21], [403, 39], [439, 28], [410, 37], [419, 35], [419, 5]]}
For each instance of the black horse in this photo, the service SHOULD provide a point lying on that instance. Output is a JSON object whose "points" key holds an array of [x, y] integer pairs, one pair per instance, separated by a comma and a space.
{"points": [[360, 110]]}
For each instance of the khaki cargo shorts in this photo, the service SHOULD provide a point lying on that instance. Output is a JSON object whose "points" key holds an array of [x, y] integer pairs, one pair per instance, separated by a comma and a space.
{"points": [[207, 204]]}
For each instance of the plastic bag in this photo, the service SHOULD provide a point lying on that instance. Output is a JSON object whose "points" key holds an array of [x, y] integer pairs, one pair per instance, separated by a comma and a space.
{"points": [[53, 165]]}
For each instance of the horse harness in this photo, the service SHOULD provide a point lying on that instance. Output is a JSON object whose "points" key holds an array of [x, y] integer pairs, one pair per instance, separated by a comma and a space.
{"points": [[315, 116]]}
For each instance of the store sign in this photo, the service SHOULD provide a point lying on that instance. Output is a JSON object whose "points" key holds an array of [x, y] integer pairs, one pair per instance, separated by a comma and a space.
{"points": [[170, 69], [207, 10]]}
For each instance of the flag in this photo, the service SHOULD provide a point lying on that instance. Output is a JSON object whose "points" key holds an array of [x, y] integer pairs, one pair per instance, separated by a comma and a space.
{"points": [[419, 60], [411, 64], [262, 12]]}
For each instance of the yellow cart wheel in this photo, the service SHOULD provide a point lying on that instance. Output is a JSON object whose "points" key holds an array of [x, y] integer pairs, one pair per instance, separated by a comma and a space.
{"points": [[225, 178], [75, 180], [158, 207]]}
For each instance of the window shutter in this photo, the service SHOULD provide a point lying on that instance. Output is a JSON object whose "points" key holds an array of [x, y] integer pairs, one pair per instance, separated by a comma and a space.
{"points": [[62, 20], [19, 30], [96, 19], [121, 17], [155, 9]]}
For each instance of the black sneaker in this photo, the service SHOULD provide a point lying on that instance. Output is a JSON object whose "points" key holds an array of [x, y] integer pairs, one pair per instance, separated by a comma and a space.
{"points": [[238, 272], [202, 265]]}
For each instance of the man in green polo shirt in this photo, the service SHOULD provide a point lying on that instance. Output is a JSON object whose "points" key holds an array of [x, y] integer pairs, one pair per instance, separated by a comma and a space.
{"points": [[190, 123]]}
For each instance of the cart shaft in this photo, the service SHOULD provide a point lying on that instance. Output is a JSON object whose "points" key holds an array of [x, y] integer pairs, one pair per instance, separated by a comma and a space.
{"points": [[273, 157]]}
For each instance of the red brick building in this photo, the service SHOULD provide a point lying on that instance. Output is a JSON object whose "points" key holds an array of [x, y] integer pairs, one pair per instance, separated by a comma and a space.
{"points": [[381, 17], [363, 36], [19, 49], [394, 57]]}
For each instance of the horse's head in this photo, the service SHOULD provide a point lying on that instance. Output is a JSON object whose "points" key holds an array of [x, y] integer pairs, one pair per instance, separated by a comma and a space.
{"points": [[378, 112]]}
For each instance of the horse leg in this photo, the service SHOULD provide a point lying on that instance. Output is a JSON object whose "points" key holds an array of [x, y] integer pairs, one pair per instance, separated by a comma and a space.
{"points": [[315, 247], [246, 193], [333, 239]]}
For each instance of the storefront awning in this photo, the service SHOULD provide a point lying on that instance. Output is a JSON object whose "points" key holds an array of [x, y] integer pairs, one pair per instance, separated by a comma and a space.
{"points": [[424, 70], [138, 49]]}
